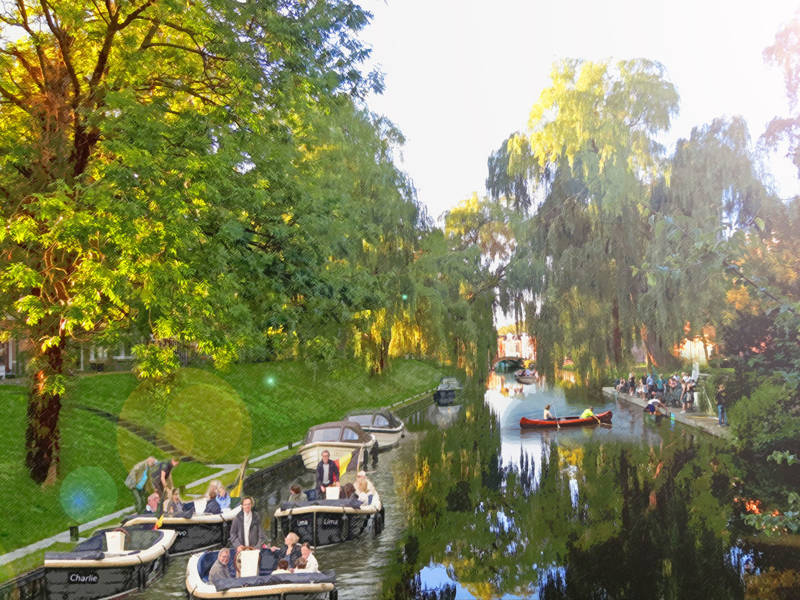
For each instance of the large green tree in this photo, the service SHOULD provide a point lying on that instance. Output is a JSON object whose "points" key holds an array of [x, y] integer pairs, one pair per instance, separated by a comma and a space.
{"points": [[146, 153]]}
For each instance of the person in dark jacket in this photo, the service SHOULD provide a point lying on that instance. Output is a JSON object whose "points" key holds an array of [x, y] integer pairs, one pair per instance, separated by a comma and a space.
{"points": [[327, 472], [246, 530], [290, 550], [212, 506]]}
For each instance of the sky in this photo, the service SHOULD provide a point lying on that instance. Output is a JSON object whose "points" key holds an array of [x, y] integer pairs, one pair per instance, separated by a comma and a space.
{"points": [[461, 75]]}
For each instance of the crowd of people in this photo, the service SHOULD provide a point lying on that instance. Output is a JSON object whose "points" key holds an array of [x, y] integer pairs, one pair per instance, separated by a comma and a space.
{"points": [[677, 391]]}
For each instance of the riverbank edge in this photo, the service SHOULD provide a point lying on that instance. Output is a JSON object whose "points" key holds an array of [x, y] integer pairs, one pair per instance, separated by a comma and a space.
{"points": [[23, 555], [707, 423]]}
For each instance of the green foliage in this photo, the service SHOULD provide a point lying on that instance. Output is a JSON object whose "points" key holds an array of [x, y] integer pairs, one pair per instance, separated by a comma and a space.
{"points": [[767, 421]]}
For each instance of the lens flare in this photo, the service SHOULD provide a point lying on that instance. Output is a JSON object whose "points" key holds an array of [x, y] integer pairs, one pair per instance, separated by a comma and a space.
{"points": [[88, 493]]}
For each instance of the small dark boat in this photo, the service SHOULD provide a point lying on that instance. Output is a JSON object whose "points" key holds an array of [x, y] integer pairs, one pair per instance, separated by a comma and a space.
{"points": [[445, 393], [323, 522], [196, 529], [262, 583], [575, 421], [111, 563], [526, 379]]}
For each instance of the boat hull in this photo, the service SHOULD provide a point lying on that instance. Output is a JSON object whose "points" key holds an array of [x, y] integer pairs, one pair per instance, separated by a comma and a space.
{"points": [[322, 526], [94, 583], [525, 379], [197, 588], [603, 417], [387, 438]]}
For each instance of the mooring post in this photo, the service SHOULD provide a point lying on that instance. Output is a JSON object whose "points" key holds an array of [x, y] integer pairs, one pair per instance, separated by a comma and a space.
{"points": [[73, 533]]}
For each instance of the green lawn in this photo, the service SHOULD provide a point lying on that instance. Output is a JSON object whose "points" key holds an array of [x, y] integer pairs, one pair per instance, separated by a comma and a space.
{"points": [[219, 417]]}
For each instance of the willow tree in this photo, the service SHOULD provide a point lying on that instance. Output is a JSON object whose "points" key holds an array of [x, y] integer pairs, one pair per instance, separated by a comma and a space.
{"points": [[592, 136], [145, 148]]}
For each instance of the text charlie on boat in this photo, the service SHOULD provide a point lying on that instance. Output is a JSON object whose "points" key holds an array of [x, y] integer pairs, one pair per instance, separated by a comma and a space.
{"points": [[111, 563]]}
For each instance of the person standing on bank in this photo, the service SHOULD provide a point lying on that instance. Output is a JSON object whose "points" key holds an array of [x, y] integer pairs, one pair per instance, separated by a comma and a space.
{"points": [[327, 472], [246, 530], [722, 400], [161, 477], [137, 480]]}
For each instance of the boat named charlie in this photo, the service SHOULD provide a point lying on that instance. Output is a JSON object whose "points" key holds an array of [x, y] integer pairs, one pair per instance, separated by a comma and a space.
{"points": [[112, 562]]}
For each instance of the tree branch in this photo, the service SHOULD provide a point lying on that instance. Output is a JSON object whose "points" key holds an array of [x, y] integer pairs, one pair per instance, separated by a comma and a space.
{"points": [[63, 43]]}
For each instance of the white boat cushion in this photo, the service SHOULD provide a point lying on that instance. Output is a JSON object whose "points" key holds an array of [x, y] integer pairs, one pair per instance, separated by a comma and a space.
{"points": [[332, 493], [249, 563], [200, 506], [115, 542]]}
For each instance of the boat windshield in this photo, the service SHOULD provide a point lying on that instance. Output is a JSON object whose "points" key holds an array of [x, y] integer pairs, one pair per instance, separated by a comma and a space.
{"points": [[363, 420], [381, 421], [329, 434], [349, 434]]}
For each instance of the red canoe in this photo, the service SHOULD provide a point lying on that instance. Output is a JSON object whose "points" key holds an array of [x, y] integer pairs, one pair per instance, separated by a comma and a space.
{"points": [[604, 417]]}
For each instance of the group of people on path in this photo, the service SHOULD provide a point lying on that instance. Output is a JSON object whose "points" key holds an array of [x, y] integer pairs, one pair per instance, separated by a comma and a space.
{"points": [[677, 391], [148, 475]]}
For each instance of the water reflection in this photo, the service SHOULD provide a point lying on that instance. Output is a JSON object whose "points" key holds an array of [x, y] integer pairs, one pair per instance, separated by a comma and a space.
{"points": [[628, 511]]}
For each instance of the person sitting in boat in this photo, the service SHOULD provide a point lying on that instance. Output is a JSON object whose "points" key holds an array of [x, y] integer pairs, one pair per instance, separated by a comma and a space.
{"points": [[588, 413], [547, 415], [327, 472], [290, 550], [223, 497], [307, 554], [212, 506], [300, 566], [219, 570], [173, 505], [153, 501], [364, 487], [296, 493], [283, 567], [246, 528], [348, 490]]}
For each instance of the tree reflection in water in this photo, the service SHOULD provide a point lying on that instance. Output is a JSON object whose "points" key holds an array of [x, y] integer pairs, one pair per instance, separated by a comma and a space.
{"points": [[598, 520]]}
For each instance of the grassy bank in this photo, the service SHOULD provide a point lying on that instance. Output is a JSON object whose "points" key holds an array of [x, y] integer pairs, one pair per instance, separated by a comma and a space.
{"points": [[217, 417]]}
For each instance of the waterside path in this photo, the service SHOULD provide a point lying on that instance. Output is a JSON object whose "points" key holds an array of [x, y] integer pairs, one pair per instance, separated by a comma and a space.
{"points": [[707, 423]]}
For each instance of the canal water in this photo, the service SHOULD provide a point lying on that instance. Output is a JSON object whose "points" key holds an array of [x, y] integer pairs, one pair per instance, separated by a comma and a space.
{"points": [[477, 508]]}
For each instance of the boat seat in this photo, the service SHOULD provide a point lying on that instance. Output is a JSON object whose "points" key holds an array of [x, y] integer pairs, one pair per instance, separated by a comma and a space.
{"points": [[267, 562], [115, 541], [205, 563], [332, 493], [250, 560]]}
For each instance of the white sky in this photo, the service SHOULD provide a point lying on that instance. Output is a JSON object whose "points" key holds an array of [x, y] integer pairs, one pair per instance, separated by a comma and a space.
{"points": [[462, 74]]}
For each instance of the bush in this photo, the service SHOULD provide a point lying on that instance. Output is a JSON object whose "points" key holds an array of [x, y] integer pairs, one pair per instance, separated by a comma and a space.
{"points": [[767, 421]]}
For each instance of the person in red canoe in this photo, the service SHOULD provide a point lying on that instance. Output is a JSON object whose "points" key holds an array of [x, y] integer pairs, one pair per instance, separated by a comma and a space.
{"points": [[548, 416]]}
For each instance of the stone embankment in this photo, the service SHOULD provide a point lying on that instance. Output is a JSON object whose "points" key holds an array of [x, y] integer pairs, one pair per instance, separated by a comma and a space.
{"points": [[707, 423]]}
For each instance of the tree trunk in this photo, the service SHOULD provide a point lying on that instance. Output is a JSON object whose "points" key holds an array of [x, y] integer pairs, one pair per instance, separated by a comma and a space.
{"points": [[656, 355], [42, 437], [617, 334]]}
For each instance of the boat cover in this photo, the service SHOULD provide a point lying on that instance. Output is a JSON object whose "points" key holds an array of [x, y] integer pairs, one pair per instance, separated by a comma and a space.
{"points": [[346, 502], [75, 555], [281, 578], [393, 421]]}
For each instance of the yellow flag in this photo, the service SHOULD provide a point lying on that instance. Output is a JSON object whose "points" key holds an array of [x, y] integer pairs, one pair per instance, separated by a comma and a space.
{"points": [[343, 462], [159, 521], [236, 492]]}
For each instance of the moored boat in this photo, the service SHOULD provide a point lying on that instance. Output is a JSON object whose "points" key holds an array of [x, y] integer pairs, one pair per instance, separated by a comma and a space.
{"points": [[526, 379], [574, 421], [261, 584], [195, 529], [324, 522], [341, 439], [381, 423], [111, 563], [445, 393]]}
